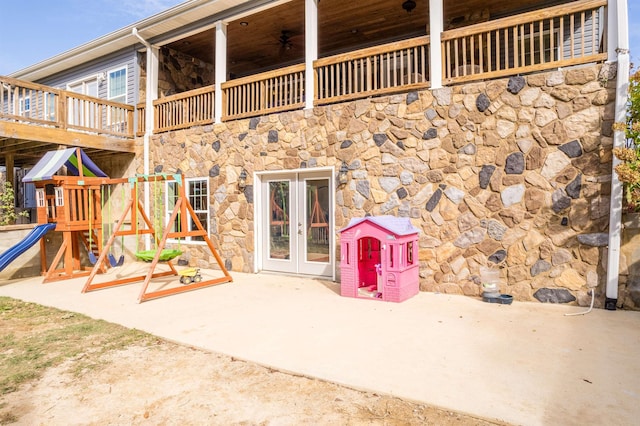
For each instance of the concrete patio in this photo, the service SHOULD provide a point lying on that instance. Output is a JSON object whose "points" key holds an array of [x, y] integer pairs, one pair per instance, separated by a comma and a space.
{"points": [[524, 363]]}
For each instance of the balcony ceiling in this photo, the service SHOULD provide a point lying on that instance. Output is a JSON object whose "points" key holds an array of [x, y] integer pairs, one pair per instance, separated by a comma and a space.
{"points": [[275, 37]]}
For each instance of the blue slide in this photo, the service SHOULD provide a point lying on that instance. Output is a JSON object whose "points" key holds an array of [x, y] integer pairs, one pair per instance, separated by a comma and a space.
{"points": [[34, 236]]}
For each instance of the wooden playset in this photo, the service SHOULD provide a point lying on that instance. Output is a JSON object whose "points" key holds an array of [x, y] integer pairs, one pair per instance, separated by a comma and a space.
{"points": [[379, 258], [73, 205]]}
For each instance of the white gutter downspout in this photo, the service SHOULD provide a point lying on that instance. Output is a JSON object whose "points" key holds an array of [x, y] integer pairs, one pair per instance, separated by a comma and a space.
{"points": [[151, 91], [620, 21]]}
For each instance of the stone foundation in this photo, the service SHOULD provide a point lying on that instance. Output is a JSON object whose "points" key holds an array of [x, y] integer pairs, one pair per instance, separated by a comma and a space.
{"points": [[511, 173]]}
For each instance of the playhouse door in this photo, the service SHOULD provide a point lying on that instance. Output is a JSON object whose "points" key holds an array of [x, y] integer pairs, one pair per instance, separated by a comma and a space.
{"points": [[296, 223]]}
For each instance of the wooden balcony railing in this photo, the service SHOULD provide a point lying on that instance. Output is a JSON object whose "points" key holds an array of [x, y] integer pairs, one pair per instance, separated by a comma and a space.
{"points": [[265, 93], [184, 110], [141, 119], [549, 38], [98, 115], [378, 70], [37, 104]]}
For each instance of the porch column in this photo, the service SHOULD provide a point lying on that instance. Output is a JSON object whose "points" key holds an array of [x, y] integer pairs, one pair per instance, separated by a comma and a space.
{"points": [[220, 68], [436, 26], [612, 30], [311, 50]]}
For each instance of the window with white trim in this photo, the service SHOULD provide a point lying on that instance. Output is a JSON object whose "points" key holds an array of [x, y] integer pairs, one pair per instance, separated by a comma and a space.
{"points": [[25, 106], [117, 85], [197, 191]]}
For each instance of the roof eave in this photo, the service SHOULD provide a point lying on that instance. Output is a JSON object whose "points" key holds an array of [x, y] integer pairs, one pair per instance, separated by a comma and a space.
{"points": [[122, 38]]}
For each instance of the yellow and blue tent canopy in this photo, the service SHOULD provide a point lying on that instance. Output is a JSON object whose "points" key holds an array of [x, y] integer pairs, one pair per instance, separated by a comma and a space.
{"points": [[53, 161]]}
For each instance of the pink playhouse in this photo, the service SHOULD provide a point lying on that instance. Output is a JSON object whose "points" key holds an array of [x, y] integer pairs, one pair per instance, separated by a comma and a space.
{"points": [[379, 258]]}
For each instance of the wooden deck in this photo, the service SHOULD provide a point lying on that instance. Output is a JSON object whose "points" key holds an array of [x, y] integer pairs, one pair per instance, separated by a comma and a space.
{"points": [[36, 118], [33, 117]]}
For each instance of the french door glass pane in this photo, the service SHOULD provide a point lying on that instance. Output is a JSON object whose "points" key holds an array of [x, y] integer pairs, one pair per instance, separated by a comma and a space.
{"points": [[317, 220], [279, 220]]}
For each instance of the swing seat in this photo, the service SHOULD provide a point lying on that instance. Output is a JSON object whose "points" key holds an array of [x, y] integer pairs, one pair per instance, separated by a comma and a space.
{"points": [[115, 263], [165, 255]]}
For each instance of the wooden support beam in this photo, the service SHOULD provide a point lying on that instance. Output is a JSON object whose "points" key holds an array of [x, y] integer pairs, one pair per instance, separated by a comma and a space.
{"points": [[63, 137]]}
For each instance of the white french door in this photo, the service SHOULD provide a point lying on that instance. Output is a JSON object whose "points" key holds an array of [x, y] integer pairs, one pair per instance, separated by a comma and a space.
{"points": [[80, 111], [295, 223]]}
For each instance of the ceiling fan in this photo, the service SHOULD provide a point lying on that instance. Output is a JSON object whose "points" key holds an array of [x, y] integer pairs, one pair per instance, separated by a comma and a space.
{"points": [[285, 40]]}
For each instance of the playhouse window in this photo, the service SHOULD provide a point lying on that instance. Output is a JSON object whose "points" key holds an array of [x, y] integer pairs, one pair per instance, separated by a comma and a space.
{"points": [[410, 253], [40, 197], [390, 255], [59, 196], [346, 253]]}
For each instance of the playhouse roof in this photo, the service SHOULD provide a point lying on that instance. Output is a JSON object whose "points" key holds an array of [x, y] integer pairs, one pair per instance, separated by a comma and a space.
{"points": [[52, 161], [397, 225]]}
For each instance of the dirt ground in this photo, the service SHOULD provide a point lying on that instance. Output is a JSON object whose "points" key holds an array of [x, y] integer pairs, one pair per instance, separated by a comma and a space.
{"points": [[168, 384]]}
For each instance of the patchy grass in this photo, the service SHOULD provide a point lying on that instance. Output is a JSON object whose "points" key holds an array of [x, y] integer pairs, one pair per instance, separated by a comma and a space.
{"points": [[34, 338]]}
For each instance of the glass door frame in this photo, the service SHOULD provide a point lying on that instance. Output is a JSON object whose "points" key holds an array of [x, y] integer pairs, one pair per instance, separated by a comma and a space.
{"points": [[260, 179]]}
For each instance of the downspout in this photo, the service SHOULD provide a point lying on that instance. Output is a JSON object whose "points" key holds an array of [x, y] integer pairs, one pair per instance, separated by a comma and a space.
{"points": [[151, 95], [621, 21]]}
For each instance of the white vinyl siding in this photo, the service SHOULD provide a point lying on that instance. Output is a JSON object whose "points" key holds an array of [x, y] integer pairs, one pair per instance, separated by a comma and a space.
{"points": [[124, 59]]}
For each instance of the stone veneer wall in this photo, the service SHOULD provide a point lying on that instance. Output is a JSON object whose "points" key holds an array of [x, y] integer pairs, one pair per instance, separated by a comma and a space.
{"points": [[177, 73], [512, 173], [629, 278]]}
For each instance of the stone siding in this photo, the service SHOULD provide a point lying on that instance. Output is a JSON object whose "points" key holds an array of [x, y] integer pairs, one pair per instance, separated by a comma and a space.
{"points": [[507, 173], [629, 278], [177, 73]]}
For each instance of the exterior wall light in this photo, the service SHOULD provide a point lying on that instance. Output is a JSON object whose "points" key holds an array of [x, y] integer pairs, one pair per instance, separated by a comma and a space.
{"points": [[343, 174], [242, 179]]}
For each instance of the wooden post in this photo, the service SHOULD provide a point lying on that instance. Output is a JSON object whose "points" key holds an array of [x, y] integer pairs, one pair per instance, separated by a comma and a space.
{"points": [[9, 162], [79, 155]]}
